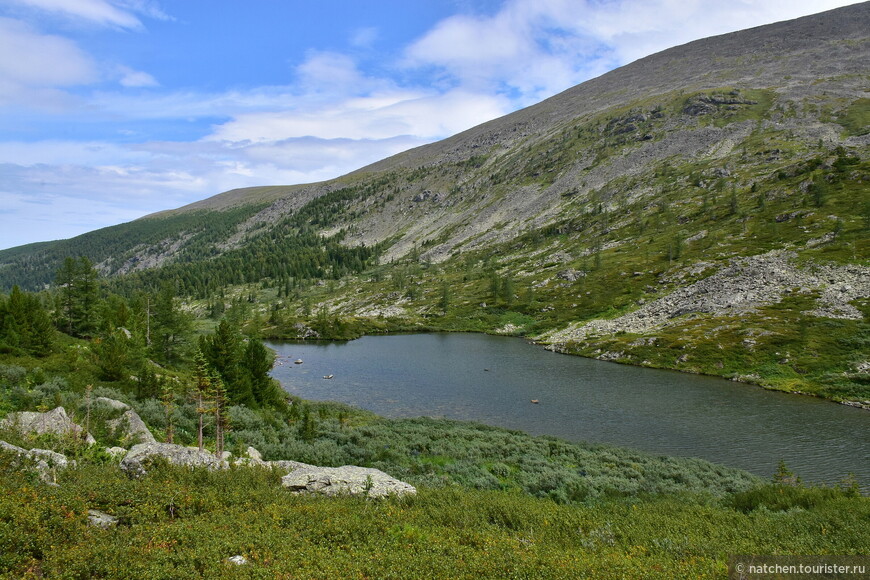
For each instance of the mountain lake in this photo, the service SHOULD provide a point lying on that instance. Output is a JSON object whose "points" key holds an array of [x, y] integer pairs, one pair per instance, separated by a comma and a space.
{"points": [[511, 383]]}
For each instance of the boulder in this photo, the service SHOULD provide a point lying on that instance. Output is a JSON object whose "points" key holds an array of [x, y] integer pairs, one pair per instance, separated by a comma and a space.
{"points": [[286, 465], [138, 460], [571, 275], [102, 520], [252, 457], [346, 480], [132, 428], [45, 462], [116, 452], [112, 403], [54, 422]]}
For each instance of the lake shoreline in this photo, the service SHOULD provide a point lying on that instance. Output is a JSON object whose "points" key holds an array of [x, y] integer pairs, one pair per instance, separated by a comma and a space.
{"points": [[701, 408], [552, 347]]}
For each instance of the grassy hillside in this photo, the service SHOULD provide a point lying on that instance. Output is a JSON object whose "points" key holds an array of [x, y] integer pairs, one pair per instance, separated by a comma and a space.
{"points": [[182, 524], [491, 503]]}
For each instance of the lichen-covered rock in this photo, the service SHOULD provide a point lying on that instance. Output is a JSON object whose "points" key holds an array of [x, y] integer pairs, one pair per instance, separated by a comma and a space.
{"points": [[102, 520], [45, 462], [252, 457], [138, 460], [286, 465], [116, 452], [112, 403], [345, 480], [131, 427], [55, 422]]}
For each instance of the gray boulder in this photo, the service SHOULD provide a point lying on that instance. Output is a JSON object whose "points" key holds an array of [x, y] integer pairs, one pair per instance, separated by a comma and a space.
{"points": [[132, 428], [55, 422], [45, 462], [138, 460], [346, 480], [102, 520], [286, 465], [251, 458], [112, 403]]}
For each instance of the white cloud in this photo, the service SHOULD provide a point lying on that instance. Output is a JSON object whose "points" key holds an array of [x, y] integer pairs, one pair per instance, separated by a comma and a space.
{"points": [[535, 48], [381, 116], [33, 64], [132, 78], [335, 100], [38, 69], [97, 11]]}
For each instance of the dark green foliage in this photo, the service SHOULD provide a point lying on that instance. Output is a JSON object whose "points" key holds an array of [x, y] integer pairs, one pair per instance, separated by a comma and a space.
{"points": [[35, 265], [170, 329], [78, 297], [25, 325], [241, 365]]}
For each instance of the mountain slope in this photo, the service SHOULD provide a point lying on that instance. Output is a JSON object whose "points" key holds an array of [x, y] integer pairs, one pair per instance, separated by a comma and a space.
{"points": [[705, 208]]}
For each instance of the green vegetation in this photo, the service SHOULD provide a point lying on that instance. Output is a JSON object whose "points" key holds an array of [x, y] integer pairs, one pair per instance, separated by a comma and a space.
{"points": [[178, 523], [491, 502], [856, 117]]}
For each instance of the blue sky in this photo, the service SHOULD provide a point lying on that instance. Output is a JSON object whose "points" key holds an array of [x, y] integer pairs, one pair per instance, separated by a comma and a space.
{"points": [[113, 109]]}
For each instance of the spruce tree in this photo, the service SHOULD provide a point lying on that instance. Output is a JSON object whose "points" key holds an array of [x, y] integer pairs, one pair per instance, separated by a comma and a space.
{"points": [[78, 297]]}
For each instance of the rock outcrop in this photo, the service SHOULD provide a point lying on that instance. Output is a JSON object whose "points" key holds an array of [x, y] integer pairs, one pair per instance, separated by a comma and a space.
{"points": [[139, 459], [45, 462], [101, 520], [131, 428], [741, 286], [112, 403], [346, 480], [55, 422]]}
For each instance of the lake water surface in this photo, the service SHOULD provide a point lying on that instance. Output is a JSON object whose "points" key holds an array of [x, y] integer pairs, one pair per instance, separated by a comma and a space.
{"points": [[493, 380]]}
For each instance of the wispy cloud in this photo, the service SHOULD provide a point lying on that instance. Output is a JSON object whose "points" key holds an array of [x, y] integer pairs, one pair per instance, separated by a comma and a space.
{"points": [[33, 66], [119, 14]]}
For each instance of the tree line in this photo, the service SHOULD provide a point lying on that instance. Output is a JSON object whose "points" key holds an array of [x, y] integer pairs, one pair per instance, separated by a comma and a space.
{"points": [[132, 340]]}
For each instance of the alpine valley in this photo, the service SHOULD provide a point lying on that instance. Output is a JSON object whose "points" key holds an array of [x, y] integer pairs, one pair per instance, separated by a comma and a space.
{"points": [[705, 209]]}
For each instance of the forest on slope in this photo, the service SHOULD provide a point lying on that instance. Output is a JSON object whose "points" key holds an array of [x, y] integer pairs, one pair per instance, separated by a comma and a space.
{"points": [[490, 502]]}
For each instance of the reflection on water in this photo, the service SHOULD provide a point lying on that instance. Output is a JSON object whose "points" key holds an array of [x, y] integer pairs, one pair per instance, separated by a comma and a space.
{"points": [[494, 379]]}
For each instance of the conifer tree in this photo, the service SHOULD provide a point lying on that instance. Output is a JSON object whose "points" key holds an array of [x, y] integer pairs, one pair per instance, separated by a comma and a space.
{"points": [[170, 328], [167, 397], [202, 392], [221, 416], [79, 296], [224, 352], [25, 324], [257, 362]]}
